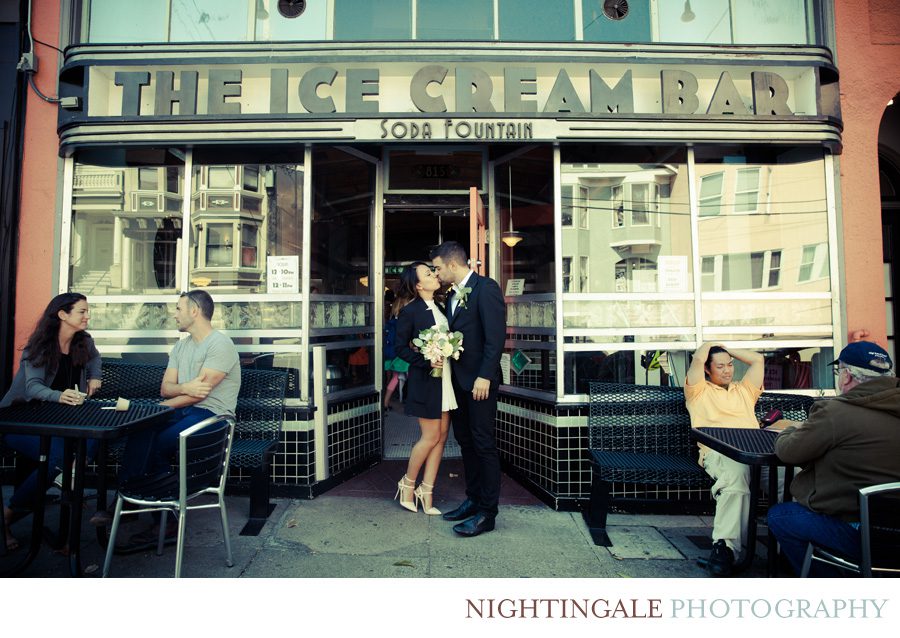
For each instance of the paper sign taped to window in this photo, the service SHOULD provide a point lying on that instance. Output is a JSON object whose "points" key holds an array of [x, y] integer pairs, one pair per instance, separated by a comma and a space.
{"points": [[514, 287], [283, 274]]}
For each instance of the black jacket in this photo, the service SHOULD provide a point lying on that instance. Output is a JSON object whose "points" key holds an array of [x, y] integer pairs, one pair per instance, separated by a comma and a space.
{"points": [[423, 392], [481, 318]]}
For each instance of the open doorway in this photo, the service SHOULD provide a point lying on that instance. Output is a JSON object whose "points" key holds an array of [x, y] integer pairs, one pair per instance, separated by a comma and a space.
{"points": [[429, 197], [412, 228]]}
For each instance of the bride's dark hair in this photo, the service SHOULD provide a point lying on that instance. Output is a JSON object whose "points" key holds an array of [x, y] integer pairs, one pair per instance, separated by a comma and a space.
{"points": [[406, 290]]}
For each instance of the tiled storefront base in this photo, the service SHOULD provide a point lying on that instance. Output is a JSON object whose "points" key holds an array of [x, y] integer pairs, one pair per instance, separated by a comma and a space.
{"points": [[354, 444], [544, 446]]}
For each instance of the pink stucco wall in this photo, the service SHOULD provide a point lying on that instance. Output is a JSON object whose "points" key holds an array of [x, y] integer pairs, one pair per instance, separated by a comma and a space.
{"points": [[34, 283], [868, 56]]}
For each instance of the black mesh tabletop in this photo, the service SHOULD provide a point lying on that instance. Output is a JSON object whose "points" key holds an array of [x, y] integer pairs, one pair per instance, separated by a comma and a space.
{"points": [[87, 421], [745, 445]]}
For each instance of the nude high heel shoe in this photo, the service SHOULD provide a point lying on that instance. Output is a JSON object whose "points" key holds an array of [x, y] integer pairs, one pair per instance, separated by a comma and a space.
{"points": [[405, 494], [420, 493]]}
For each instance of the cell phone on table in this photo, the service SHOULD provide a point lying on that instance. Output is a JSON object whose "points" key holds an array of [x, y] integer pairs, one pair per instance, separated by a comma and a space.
{"points": [[771, 417]]}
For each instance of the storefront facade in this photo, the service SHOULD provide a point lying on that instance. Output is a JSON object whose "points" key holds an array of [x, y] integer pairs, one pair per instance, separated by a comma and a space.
{"points": [[633, 194]]}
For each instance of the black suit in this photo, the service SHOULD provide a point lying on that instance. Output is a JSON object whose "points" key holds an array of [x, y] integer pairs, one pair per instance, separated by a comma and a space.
{"points": [[423, 391], [481, 318]]}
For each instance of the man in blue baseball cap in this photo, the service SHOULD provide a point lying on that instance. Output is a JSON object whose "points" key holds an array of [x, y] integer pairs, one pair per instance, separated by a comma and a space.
{"points": [[847, 443]]}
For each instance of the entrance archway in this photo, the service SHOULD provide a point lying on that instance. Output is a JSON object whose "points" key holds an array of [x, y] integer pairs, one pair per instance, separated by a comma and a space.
{"points": [[889, 177]]}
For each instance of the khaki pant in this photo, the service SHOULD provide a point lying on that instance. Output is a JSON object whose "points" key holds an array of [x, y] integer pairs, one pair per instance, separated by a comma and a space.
{"points": [[731, 492]]}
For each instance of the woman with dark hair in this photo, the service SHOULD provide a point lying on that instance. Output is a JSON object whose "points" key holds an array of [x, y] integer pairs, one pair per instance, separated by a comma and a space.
{"points": [[428, 398], [60, 364]]}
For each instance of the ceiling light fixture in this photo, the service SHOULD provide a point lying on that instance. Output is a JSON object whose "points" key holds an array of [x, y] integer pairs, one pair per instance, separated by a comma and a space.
{"points": [[688, 15], [511, 237]]}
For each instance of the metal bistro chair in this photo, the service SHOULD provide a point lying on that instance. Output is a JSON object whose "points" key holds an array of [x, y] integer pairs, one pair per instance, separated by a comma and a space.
{"points": [[203, 453], [879, 530]]}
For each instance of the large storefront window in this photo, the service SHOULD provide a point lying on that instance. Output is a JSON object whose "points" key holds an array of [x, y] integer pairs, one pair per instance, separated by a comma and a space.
{"points": [[127, 248], [524, 197], [760, 276], [767, 233], [341, 285]]}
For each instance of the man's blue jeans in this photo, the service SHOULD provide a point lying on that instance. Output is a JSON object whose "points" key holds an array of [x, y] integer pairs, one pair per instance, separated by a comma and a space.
{"points": [[795, 526], [149, 451]]}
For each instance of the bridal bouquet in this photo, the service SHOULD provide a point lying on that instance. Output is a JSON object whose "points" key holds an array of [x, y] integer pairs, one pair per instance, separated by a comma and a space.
{"points": [[436, 344]]}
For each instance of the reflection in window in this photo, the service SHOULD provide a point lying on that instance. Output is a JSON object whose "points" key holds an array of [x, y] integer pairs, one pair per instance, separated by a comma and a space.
{"points": [[745, 271], [567, 274], [128, 22], [221, 176], [583, 274], [568, 204], [367, 20], [209, 20], [126, 222], [618, 206], [583, 205], [242, 213], [746, 192], [537, 20], [525, 188], [711, 194], [771, 22], [735, 21], [148, 179], [249, 242], [638, 212], [641, 204], [344, 188], [219, 245], [457, 20], [762, 251], [636, 274], [813, 263]]}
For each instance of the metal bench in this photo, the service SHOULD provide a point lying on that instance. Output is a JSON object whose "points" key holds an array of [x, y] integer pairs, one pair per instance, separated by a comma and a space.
{"points": [[259, 417], [640, 435]]}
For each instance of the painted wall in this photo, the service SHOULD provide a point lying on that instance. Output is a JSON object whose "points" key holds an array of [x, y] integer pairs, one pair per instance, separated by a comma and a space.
{"points": [[869, 62], [37, 250]]}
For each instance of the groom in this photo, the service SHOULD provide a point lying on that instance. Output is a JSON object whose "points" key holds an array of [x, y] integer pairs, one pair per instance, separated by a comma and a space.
{"points": [[475, 307]]}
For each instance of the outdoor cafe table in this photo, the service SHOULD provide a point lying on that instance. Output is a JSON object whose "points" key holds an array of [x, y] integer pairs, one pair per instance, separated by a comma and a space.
{"points": [[756, 448], [75, 425]]}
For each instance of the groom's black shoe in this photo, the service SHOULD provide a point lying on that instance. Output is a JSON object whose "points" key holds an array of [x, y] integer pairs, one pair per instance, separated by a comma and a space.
{"points": [[474, 526], [461, 513]]}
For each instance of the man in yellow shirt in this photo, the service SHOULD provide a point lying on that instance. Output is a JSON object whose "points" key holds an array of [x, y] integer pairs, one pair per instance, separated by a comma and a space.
{"points": [[713, 398]]}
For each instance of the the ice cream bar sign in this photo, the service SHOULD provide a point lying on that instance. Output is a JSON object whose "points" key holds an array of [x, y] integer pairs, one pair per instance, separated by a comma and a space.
{"points": [[518, 91]]}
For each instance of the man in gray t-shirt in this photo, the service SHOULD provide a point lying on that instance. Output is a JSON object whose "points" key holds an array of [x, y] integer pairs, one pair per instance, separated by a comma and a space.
{"points": [[211, 357], [203, 379]]}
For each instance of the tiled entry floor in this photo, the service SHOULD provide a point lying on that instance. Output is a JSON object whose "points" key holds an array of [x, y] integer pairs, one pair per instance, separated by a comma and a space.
{"points": [[401, 432]]}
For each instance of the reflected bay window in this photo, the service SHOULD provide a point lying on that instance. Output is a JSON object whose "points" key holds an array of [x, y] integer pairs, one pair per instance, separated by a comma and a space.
{"points": [[746, 271]]}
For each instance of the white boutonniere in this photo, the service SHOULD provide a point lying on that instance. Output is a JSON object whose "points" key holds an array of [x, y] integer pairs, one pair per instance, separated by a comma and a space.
{"points": [[463, 295]]}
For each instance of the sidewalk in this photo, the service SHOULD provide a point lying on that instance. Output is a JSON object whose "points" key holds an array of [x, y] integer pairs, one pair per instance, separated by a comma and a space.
{"points": [[357, 531]]}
